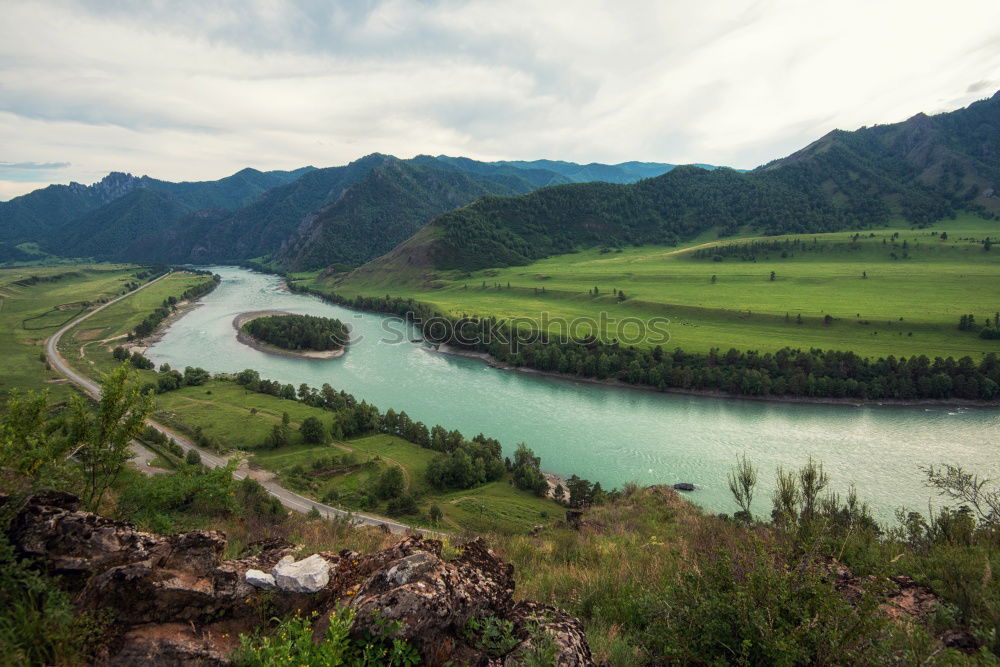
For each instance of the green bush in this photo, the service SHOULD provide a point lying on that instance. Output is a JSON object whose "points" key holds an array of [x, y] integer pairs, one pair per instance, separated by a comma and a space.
{"points": [[38, 625], [390, 483], [292, 643]]}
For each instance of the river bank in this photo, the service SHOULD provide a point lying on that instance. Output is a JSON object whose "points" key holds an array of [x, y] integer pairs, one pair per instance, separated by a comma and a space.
{"points": [[615, 383], [248, 340], [181, 308]]}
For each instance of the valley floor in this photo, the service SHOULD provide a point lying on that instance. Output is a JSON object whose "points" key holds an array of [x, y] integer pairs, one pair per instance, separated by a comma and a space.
{"points": [[893, 291]]}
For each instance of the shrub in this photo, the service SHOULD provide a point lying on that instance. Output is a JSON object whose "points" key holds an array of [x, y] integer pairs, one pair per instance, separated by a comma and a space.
{"points": [[390, 483], [405, 504], [292, 643], [312, 430]]}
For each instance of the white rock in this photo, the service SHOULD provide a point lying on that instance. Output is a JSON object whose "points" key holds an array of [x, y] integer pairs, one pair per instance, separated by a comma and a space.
{"points": [[305, 576], [260, 579]]}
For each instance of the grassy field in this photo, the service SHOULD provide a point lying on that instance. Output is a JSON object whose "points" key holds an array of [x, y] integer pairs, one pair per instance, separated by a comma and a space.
{"points": [[31, 313], [239, 419], [108, 328], [884, 298]]}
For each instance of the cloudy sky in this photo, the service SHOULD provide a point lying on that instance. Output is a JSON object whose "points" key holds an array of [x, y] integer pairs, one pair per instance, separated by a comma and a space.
{"points": [[197, 90]]}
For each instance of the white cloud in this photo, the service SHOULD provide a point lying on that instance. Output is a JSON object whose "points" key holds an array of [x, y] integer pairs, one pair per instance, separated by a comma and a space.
{"points": [[191, 90]]}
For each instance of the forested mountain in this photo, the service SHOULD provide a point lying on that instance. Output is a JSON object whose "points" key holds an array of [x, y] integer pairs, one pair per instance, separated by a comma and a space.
{"points": [[307, 218], [254, 230], [385, 208], [923, 169], [59, 217]]}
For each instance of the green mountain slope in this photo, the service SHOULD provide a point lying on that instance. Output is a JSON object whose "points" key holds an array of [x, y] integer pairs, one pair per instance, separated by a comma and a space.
{"points": [[923, 169], [385, 208]]}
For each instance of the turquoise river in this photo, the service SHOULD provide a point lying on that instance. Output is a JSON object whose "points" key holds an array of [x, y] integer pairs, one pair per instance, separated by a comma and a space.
{"points": [[601, 433]]}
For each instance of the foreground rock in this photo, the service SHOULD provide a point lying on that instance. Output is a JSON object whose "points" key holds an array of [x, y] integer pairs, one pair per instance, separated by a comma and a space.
{"points": [[309, 575], [177, 602]]}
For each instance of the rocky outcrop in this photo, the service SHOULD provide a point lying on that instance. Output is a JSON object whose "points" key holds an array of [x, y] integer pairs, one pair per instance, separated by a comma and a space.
{"points": [[177, 602]]}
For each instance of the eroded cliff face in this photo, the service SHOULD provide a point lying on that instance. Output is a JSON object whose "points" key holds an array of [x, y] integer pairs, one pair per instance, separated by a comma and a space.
{"points": [[176, 601]]}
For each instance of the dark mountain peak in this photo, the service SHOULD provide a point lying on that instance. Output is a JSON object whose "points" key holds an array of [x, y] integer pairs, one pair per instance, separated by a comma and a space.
{"points": [[372, 160], [115, 185]]}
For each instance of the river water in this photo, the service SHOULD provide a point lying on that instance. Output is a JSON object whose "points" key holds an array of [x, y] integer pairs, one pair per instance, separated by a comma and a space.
{"points": [[601, 433]]}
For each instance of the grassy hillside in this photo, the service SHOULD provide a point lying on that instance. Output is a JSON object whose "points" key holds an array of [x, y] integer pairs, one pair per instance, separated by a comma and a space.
{"points": [[910, 304], [88, 345], [31, 312]]}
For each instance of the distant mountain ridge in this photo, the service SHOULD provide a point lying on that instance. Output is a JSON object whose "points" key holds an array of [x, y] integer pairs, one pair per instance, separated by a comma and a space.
{"points": [[302, 219], [921, 170], [571, 172]]}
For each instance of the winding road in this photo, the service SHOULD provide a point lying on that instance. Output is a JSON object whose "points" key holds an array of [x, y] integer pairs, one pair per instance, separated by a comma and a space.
{"points": [[289, 499]]}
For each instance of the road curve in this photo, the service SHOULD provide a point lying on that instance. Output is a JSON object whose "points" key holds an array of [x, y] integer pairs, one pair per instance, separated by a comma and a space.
{"points": [[289, 499]]}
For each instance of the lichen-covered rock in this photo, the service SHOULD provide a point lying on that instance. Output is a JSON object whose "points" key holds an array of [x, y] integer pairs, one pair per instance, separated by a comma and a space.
{"points": [[550, 635]]}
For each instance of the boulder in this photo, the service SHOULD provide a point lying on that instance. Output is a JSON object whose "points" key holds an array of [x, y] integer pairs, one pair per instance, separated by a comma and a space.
{"points": [[308, 575], [551, 631], [684, 486], [260, 579]]}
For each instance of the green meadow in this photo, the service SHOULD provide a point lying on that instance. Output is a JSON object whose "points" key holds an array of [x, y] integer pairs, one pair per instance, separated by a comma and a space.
{"points": [[237, 419], [896, 290], [87, 345], [30, 313]]}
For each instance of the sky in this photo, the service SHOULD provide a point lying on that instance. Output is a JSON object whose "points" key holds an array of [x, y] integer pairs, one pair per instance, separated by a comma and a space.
{"points": [[194, 90]]}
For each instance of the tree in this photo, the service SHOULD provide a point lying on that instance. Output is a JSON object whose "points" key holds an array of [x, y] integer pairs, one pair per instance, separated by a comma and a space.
{"points": [[312, 430], [405, 504], [390, 483], [970, 489], [435, 514], [559, 494], [278, 437], [526, 471], [34, 455], [101, 440], [579, 491], [195, 377], [742, 480], [812, 481], [193, 457]]}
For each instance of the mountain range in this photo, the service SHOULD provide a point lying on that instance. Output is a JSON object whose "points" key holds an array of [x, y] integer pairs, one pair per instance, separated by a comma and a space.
{"points": [[921, 170], [303, 219]]}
